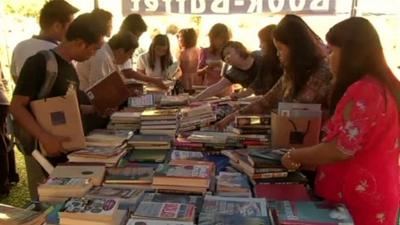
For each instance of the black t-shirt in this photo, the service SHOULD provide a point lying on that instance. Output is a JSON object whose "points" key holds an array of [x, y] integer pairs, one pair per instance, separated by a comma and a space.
{"points": [[33, 74], [242, 77], [32, 77]]}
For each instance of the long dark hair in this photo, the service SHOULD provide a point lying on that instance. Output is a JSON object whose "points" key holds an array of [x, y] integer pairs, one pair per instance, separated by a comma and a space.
{"points": [[305, 55], [219, 30], [165, 60], [361, 54], [271, 58]]}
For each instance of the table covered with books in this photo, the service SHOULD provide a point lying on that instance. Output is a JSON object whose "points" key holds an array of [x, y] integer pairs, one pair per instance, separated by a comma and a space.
{"points": [[160, 161]]}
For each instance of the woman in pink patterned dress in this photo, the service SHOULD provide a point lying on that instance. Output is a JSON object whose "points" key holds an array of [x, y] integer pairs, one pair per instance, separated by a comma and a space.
{"points": [[358, 159]]}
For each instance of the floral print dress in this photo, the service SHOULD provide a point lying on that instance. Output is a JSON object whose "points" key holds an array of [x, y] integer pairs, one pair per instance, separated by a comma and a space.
{"points": [[366, 126]]}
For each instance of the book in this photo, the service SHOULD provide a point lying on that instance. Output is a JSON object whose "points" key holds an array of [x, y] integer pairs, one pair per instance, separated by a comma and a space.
{"points": [[223, 219], [60, 116], [148, 221], [310, 213], [197, 201], [159, 114], [186, 155], [184, 175], [60, 188], [110, 138], [292, 192], [108, 93], [146, 155], [252, 120], [124, 195], [121, 217], [179, 100], [93, 172], [129, 175], [16, 216], [228, 182], [94, 155], [141, 101], [165, 211], [214, 205], [92, 209]]}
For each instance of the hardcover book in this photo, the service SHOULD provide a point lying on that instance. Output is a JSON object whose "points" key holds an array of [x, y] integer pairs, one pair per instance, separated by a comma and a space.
{"points": [[61, 116], [108, 93]]}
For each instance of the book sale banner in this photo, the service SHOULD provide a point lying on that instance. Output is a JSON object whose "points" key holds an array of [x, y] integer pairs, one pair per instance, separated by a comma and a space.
{"points": [[222, 7]]}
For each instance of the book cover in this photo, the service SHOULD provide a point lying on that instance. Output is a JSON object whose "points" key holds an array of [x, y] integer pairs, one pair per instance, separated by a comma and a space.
{"points": [[292, 192], [189, 171], [146, 155], [250, 120], [310, 213], [97, 209], [197, 201], [92, 172], [61, 116], [167, 211], [109, 92], [227, 181], [122, 194], [129, 175], [15, 216], [221, 219], [233, 206], [186, 155], [141, 101]]}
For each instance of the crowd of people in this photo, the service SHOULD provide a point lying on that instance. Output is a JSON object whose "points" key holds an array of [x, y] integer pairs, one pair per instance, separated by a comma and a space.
{"points": [[356, 161]]}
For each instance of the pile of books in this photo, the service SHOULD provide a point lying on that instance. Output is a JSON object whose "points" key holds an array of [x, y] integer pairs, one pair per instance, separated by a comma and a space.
{"points": [[151, 212], [184, 176], [159, 121], [149, 148], [110, 138], [10, 215], [252, 124], [129, 177], [255, 167], [107, 155], [60, 189], [174, 101], [230, 210], [233, 185], [193, 118], [124, 121], [101, 211]]}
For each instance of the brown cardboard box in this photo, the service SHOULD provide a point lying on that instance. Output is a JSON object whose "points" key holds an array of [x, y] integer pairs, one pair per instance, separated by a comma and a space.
{"points": [[295, 131], [60, 116]]}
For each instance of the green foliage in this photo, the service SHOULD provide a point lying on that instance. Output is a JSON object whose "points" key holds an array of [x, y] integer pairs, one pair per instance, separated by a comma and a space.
{"points": [[28, 8]]}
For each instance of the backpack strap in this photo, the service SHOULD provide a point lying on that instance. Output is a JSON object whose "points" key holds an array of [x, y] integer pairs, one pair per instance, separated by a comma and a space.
{"points": [[51, 73]]}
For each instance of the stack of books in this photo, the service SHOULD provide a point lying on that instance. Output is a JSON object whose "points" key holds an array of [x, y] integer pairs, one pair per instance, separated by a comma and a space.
{"points": [[149, 148], [215, 206], [159, 121], [141, 101], [252, 124], [98, 154], [184, 176], [90, 211], [186, 155], [193, 118], [87, 171], [149, 212], [124, 121], [233, 185], [10, 215], [174, 101], [129, 177], [60, 189], [125, 196], [109, 138], [255, 168]]}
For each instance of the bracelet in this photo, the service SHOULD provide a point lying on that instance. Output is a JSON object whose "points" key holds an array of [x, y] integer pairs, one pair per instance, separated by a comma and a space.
{"points": [[294, 165]]}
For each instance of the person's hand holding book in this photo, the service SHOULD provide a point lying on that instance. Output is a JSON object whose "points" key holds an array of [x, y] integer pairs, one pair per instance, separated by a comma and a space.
{"points": [[53, 144]]}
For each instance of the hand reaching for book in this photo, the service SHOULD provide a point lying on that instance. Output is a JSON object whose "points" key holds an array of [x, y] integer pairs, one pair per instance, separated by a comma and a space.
{"points": [[160, 84], [53, 144], [222, 124]]}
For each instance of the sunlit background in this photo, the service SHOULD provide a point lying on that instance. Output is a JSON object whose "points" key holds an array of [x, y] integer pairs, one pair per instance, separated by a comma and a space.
{"points": [[19, 21]]}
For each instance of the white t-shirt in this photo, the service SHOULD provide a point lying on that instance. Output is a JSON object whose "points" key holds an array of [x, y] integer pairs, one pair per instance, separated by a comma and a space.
{"points": [[96, 68], [26, 49], [143, 64]]}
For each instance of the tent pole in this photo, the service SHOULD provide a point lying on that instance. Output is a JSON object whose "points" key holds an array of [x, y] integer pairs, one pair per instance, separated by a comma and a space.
{"points": [[354, 7]]}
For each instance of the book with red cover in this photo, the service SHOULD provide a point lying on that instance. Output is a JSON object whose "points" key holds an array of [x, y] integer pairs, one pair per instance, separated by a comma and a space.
{"points": [[291, 192], [109, 92]]}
